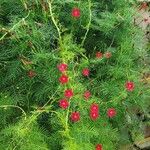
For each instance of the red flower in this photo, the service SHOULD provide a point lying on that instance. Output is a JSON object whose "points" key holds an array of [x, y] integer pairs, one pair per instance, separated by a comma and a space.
{"points": [[87, 95], [145, 19], [99, 147], [86, 72], [108, 54], [99, 55], [68, 93], [76, 12], [143, 6], [94, 111], [62, 67], [75, 116], [63, 103], [94, 115], [63, 79], [31, 74], [94, 108], [111, 112], [129, 86]]}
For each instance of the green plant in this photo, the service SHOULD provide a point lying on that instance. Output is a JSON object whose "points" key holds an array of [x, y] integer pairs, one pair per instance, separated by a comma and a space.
{"points": [[38, 36]]}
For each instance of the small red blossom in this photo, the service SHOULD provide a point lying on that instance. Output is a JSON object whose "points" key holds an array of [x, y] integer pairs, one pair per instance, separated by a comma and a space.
{"points": [[75, 116], [31, 73], [94, 108], [129, 86], [87, 95], [62, 67], [85, 72], [99, 147], [143, 6], [99, 55], [108, 54], [111, 112], [68, 93], [94, 115], [63, 79], [76, 12], [145, 19], [63, 103]]}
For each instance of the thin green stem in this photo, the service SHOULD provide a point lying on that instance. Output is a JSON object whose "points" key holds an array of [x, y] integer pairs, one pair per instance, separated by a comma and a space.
{"points": [[67, 116], [53, 19], [89, 23], [14, 106], [84, 56], [50, 98], [24, 2], [15, 26]]}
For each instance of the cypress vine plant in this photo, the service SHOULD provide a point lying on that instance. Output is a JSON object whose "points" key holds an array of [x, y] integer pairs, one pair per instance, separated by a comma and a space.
{"points": [[72, 74]]}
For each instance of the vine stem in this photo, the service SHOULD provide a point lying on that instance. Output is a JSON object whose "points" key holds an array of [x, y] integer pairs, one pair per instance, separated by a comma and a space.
{"points": [[15, 26], [61, 46], [50, 98], [53, 19], [67, 117], [24, 4], [14, 106], [89, 23], [33, 116]]}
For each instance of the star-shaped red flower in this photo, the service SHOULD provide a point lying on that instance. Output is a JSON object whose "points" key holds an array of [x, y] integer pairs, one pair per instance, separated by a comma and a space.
{"points": [[129, 86], [85, 72], [63, 79], [76, 12], [99, 55], [31, 74], [99, 147], [111, 112], [62, 67], [87, 95], [75, 116], [63, 103], [108, 54], [68, 93]]}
